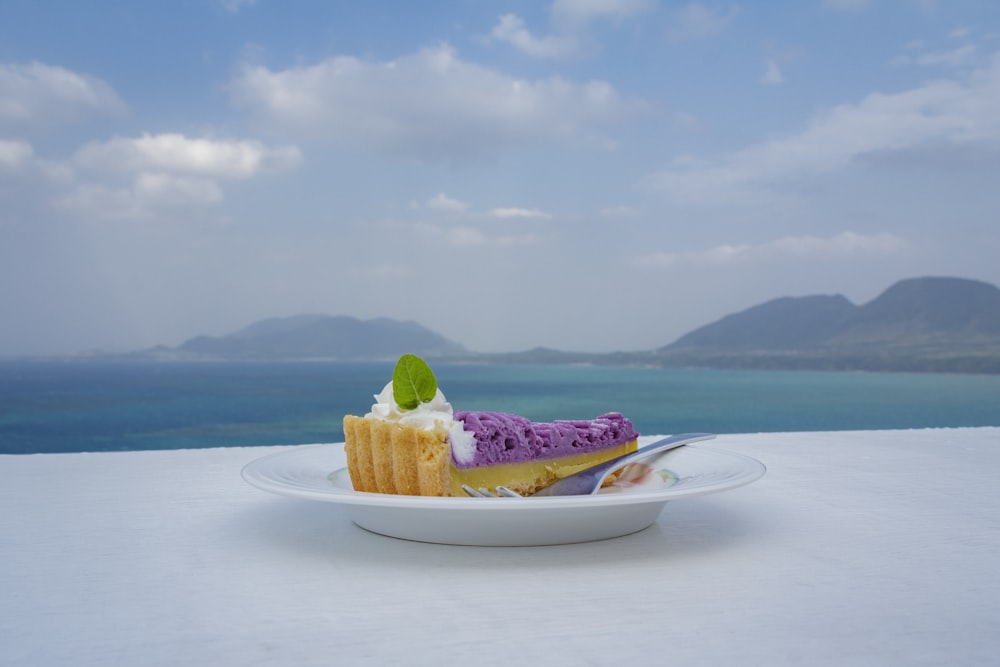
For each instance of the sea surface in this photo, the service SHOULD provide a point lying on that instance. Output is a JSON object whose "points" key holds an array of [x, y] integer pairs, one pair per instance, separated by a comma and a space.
{"points": [[113, 406]]}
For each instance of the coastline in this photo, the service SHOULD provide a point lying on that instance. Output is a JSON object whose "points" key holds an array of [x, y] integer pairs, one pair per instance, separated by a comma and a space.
{"points": [[155, 405]]}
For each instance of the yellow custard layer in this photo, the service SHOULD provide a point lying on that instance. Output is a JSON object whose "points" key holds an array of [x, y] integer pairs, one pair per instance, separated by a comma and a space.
{"points": [[530, 476], [385, 457]]}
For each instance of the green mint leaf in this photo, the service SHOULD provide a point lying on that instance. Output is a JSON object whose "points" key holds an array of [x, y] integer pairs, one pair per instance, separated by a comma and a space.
{"points": [[413, 382]]}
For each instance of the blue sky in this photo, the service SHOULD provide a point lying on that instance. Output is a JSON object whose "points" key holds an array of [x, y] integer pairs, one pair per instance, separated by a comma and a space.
{"points": [[582, 174]]}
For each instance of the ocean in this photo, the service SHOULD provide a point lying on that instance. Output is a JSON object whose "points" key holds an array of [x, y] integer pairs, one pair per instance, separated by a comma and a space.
{"points": [[137, 405]]}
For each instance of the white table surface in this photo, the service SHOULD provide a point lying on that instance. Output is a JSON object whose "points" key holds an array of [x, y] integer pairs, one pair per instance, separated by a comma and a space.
{"points": [[857, 548]]}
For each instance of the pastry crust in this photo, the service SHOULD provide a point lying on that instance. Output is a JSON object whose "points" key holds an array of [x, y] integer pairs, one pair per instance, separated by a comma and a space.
{"points": [[386, 457]]}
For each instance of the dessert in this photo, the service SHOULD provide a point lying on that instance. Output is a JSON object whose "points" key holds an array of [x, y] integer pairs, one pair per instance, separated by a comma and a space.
{"points": [[414, 443]]}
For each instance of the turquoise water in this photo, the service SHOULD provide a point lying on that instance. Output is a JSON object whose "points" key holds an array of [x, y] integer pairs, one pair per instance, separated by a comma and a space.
{"points": [[103, 406]]}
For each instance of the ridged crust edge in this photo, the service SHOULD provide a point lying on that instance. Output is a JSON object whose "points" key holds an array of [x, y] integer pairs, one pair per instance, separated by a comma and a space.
{"points": [[386, 457]]}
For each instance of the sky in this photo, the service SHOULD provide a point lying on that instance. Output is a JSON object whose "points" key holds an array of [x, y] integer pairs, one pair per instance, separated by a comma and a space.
{"points": [[586, 175]]}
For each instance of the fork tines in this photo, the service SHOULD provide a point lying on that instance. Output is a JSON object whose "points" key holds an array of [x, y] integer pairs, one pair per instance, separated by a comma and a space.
{"points": [[483, 492]]}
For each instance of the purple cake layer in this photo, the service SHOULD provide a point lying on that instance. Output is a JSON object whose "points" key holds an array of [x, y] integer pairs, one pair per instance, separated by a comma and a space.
{"points": [[503, 438]]}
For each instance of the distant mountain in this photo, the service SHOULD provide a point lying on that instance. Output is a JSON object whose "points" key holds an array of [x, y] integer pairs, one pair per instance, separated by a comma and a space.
{"points": [[318, 337], [922, 324], [928, 311], [781, 324], [917, 324]]}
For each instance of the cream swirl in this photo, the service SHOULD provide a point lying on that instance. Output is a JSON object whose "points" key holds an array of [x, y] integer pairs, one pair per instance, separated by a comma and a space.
{"points": [[425, 417]]}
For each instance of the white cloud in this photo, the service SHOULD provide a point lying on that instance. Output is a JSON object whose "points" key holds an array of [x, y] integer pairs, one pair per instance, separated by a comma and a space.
{"points": [[944, 112], [101, 202], [467, 236], [513, 212], [772, 74], [142, 200], [698, 21], [977, 157], [14, 153], [169, 189], [963, 55], [510, 29], [430, 104], [845, 244], [142, 178], [570, 19], [685, 121], [442, 202], [40, 94], [176, 152], [577, 12]]}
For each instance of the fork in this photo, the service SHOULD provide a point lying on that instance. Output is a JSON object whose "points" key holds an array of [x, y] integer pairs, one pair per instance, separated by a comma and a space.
{"points": [[590, 480]]}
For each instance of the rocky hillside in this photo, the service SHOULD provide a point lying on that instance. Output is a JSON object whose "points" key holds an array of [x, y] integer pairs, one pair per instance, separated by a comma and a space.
{"points": [[916, 324], [911, 313], [318, 337]]}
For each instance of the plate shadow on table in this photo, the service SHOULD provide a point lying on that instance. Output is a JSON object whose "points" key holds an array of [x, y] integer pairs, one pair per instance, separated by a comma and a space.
{"points": [[685, 529]]}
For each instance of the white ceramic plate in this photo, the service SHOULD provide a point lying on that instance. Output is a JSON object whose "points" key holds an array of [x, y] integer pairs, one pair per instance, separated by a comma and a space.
{"points": [[316, 472]]}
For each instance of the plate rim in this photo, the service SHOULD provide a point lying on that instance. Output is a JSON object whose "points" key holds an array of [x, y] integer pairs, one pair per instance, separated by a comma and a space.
{"points": [[251, 473]]}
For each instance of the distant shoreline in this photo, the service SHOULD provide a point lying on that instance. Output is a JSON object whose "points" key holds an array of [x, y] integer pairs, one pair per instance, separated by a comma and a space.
{"points": [[917, 325], [967, 362]]}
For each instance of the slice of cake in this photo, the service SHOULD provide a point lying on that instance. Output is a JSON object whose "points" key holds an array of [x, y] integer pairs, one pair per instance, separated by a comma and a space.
{"points": [[413, 442]]}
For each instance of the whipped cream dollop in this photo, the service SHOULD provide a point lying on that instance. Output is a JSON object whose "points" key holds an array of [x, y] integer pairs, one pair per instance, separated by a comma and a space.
{"points": [[425, 416]]}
